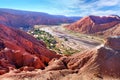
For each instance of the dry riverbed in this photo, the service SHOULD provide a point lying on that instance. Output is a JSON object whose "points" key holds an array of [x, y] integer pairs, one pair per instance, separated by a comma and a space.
{"points": [[69, 39]]}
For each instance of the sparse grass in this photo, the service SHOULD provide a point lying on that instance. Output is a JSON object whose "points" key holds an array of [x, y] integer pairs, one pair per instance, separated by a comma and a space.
{"points": [[58, 44], [44, 36], [53, 43], [63, 49]]}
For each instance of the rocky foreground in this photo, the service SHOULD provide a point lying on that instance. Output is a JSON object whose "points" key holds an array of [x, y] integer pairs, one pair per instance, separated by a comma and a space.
{"points": [[18, 50], [100, 63]]}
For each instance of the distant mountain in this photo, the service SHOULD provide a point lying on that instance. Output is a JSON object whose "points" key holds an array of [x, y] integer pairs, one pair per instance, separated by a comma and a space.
{"points": [[96, 24], [26, 19], [19, 49]]}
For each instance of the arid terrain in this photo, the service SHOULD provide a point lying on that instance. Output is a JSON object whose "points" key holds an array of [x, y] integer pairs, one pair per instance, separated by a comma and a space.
{"points": [[40, 46], [99, 63], [27, 19], [76, 42], [98, 25]]}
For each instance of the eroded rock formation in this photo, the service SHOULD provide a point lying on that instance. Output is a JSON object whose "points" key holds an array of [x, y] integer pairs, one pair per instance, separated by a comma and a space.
{"points": [[18, 49], [100, 63], [106, 25]]}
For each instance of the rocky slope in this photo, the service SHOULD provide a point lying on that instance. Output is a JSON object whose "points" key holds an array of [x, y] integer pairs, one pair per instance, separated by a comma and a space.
{"points": [[100, 63], [18, 49], [112, 31], [96, 24], [26, 19]]}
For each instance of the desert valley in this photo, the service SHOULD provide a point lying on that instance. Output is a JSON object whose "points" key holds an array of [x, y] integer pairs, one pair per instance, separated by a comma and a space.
{"points": [[41, 46]]}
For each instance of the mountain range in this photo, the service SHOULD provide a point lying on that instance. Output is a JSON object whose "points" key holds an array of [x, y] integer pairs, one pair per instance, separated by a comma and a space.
{"points": [[23, 57], [102, 25], [27, 19]]}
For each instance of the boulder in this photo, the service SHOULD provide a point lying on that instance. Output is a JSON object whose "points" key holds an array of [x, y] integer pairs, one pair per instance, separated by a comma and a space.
{"points": [[113, 42]]}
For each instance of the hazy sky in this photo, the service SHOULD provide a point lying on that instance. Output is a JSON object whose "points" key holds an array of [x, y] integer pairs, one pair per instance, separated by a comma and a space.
{"points": [[66, 7]]}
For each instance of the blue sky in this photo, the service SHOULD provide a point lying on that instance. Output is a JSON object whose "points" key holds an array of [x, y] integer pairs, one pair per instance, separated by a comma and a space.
{"points": [[66, 7]]}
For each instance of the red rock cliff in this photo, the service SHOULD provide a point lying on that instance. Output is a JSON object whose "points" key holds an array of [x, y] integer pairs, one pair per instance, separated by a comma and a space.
{"points": [[100, 63], [18, 49], [95, 24]]}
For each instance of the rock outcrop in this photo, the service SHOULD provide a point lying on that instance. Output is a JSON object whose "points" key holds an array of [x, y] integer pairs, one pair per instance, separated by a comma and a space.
{"points": [[105, 25], [101, 62], [111, 32], [19, 49], [113, 42]]}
